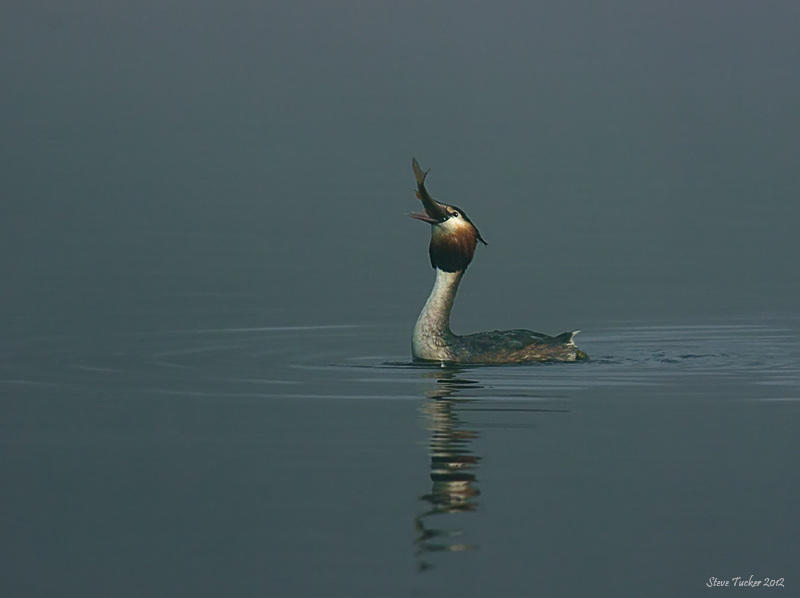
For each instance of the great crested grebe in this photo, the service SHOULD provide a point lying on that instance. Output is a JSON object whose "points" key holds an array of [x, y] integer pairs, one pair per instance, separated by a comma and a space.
{"points": [[453, 241]]}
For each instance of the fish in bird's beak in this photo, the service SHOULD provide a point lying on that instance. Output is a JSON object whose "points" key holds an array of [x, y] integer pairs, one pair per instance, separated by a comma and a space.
{"points": [[434, 212]]}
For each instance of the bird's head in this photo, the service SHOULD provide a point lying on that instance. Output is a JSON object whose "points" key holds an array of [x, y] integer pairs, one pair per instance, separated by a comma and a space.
{"points": [[453, 235]]}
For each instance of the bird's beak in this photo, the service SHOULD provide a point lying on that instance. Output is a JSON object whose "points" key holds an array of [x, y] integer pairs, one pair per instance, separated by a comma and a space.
{"points": [[428, 217]]}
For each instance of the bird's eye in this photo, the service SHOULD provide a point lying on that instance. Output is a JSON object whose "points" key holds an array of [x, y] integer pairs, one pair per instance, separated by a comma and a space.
{"points": [[454, 214]]}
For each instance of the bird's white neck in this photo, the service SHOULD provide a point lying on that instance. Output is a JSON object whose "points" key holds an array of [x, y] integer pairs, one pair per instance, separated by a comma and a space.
{"points": [[432, 331]]}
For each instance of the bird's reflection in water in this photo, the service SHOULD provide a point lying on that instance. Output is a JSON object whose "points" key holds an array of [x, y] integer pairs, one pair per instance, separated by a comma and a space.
{"points": [[453, 465]]}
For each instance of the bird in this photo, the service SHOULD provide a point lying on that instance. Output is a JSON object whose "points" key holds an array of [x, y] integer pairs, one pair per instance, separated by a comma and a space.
{"points": [[454, 238]]}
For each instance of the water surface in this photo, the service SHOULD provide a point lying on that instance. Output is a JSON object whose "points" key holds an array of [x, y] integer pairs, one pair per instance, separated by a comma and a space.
{"points": [[244, 459]]}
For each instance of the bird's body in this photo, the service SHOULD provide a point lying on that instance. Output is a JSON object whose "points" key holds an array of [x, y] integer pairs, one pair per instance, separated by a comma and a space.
{"points": [[453, 241]]}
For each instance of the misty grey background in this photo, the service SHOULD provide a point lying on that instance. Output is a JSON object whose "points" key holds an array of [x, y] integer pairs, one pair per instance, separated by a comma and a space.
{"points": [[621, 158], [208, 288]]}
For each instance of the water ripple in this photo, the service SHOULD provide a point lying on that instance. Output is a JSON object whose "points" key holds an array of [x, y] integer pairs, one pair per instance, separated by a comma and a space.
{"points": [[358, 362]]}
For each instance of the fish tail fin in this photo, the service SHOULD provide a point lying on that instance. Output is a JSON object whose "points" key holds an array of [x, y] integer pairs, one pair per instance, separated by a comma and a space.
{"points": [[419, 174]]}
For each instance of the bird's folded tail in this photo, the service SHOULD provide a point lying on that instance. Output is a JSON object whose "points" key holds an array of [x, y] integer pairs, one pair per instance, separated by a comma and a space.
{"points": [[566, 337]]}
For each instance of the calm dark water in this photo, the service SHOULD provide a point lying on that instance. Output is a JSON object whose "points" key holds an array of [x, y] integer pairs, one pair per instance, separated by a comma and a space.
{"points": [[207, 288], [318, 460]]}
